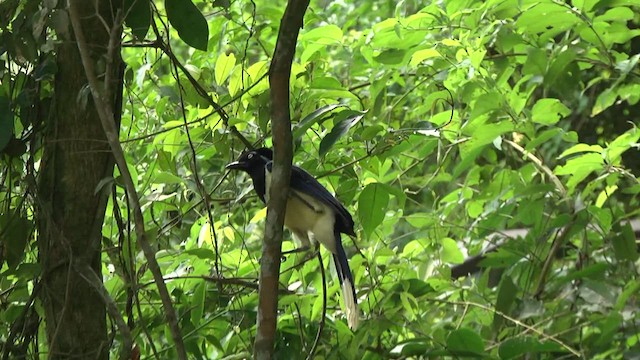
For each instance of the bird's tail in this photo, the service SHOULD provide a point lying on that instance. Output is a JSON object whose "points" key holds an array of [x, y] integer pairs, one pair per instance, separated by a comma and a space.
{"points": [[348, 287]]}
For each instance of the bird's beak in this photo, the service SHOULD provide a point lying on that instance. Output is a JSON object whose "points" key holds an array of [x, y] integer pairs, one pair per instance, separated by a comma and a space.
{"points": [[236, 165]]}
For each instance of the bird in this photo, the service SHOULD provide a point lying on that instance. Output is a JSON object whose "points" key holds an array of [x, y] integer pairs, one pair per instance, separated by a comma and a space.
{"points": [[312, 214]]}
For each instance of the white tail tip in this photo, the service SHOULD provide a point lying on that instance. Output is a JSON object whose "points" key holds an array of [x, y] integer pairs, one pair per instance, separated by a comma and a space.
{"points": [[351, 307]]}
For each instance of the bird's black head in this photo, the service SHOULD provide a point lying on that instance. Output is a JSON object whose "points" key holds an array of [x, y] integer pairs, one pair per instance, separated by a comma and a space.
{"points": [[252, 160]]}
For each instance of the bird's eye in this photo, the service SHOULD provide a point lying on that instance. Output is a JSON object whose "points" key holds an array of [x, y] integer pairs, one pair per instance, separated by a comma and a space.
{"points": [[250, 156]]}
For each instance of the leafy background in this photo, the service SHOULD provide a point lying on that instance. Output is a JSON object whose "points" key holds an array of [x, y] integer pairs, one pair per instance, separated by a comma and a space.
{"points": [[447, 128]]}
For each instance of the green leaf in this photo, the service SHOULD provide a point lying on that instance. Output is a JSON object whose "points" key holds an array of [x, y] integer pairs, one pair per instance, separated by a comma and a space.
{"points": [[422, 55], [604, 101], [6, 122], [345, 120], [311, 119], [621, 144], [391, 57], [198, 303], [413, 348], [624, 244], [515, 348], [595, 271], [485, 134], [549, 111], [164, 177], [465, 341], [630, 289], [14, 234], [451, 252], [372, 206], [507, 293], [609, 327], [420, 220], [138, 17], [581, 148], [224, 65], [580, 167], [191, 25], [542, 138], [329, 34]]}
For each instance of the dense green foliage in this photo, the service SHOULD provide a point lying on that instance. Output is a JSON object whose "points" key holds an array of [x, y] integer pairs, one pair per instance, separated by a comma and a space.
{"points": [[441, 126]]}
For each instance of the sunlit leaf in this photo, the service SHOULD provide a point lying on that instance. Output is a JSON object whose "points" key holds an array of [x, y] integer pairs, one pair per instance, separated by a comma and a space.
{"points": [[549, 111], [372, 206], [224, 65]]}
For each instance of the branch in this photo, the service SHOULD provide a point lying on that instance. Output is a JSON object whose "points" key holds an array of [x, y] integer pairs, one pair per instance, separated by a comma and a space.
{"points": [[279, 75], [106, 115], [312, 352], [541, 166]]}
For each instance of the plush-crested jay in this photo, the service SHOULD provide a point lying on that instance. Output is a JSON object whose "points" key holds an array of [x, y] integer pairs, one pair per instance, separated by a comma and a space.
{"points": [[312, 214]]}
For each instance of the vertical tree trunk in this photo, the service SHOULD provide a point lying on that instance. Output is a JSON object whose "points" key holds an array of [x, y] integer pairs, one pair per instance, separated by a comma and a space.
{"points": [[70, 214]]}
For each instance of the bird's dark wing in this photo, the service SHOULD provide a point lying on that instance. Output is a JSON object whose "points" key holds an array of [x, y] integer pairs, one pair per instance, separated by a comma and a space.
{"points": [[305, 183]]}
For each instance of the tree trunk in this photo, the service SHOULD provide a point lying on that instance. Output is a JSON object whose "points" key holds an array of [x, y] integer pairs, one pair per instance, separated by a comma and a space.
{"points": [[71, 209]]}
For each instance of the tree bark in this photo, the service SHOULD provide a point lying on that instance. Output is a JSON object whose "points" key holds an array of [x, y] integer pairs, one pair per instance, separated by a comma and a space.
{"points": [[279, 74], [76, 157]]}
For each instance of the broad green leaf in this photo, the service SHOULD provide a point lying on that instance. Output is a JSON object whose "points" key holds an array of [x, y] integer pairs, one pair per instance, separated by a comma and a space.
{"points": [[579, 167], [515, 348], [391, 57], [201, 253], [412, 348], [621, 144], [138, 17], [327, 35], [605, 194], [14, 234], [581, 148], [326, 82], [256, 72], [224, 65], [507, 293], [604, 100], [372, 206], [542, 138], [594, 271], [198, 304], [451, 252], [191, 25], [630, 289], [345, 120], [421, 55], [545, 16], [549, 111], [616, 14], [465, 341], [558, 70], [6, 122], [164, 177], [624, 244], [313, 118], [609, 328], [486, 134], [420, 220]]}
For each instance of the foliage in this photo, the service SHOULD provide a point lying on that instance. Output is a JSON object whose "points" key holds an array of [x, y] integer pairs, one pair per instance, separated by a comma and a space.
{"points": [[442, 127]]}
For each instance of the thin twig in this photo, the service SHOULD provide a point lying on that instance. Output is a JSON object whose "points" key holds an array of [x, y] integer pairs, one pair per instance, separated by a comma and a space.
{"points": [[513, 320], [90, 276], [540, 165], [324, 309]]}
